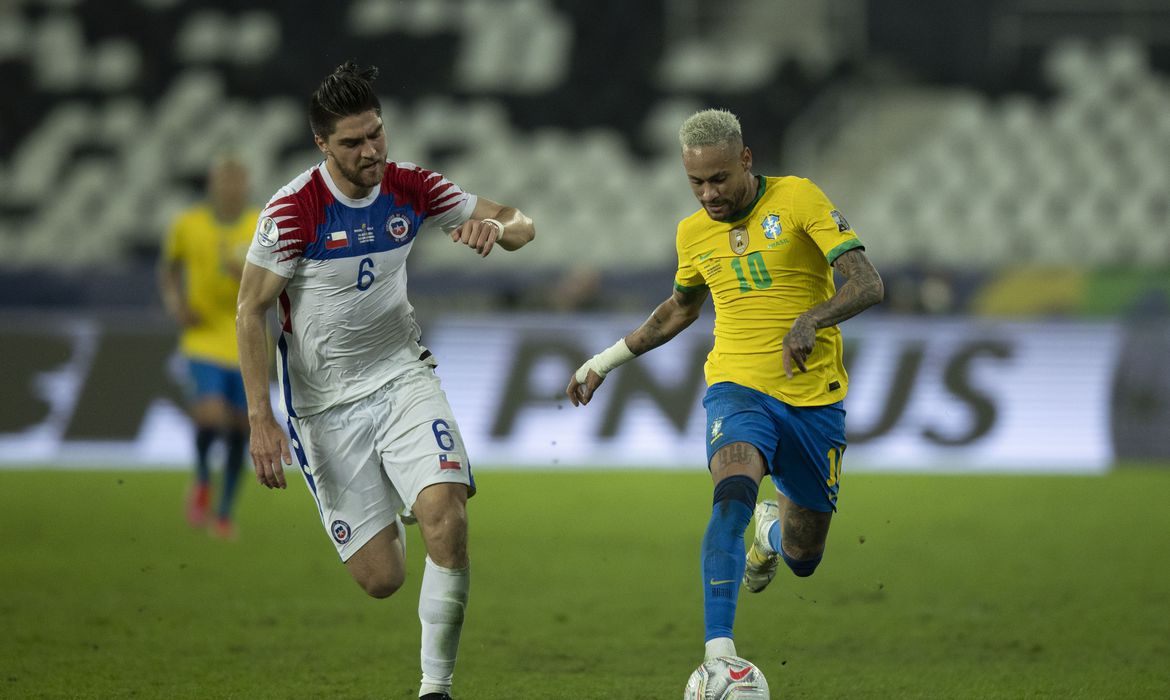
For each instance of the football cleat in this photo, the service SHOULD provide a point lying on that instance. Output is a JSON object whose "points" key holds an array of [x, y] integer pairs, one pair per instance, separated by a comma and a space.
{"points": [[198, 505], [436, 696], [224, 529], [761, 561]]}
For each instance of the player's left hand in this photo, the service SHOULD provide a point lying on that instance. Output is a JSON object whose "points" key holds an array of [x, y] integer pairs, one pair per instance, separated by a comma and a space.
{"points": [[480, 234], [798, 344]]}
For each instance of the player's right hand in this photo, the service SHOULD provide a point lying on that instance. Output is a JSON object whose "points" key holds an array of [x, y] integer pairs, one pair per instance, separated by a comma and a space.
{"points": [[580, 393], [269, 449]]}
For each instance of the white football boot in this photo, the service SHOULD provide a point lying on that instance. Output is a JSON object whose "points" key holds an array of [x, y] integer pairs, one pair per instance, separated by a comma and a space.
{"points": [[761, 560]]}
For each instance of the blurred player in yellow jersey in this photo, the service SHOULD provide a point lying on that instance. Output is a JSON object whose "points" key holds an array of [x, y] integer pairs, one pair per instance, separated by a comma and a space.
{"points": [[199, 279], [764, 249]]}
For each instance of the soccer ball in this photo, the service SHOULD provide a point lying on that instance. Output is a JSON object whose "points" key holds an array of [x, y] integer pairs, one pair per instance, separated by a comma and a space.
{"points": [[727, 678]]}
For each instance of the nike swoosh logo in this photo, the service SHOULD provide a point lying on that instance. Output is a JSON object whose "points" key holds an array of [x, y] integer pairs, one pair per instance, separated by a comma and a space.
{"points": [[739, 675], [704, 256], [713, 582]]}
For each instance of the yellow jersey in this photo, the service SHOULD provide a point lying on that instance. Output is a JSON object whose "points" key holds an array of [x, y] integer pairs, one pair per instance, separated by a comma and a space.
{"points": [[211, 253], [764, 267]]}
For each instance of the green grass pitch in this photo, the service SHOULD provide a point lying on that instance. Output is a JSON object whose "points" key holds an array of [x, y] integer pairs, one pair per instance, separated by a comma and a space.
{"points": [[586, 585]]}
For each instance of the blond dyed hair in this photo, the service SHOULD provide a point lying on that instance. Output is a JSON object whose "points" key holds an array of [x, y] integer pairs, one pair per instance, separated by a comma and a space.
{"points": [[710, 127]]}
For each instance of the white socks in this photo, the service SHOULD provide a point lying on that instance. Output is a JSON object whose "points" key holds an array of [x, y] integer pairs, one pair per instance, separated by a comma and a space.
{"points": [[441, 603], [719, 646]]}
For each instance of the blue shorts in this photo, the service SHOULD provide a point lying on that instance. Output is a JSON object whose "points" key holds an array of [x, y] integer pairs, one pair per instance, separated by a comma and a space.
{"points": [[802, 445], [209, 380]]}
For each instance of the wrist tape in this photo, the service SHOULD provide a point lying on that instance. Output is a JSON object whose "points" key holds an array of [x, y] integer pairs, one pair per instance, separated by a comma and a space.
{"points": [[605, 361]]}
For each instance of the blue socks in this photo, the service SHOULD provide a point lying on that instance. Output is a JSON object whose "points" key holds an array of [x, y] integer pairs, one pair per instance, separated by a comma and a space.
{"points": [[800, 567], [723, 552], [204, 437], [237, 441], [774, 538]]}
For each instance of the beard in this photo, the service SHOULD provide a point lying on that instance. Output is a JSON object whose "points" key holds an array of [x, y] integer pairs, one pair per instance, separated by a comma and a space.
{"points": [[367, 176], [730, 206], [725, 210]]}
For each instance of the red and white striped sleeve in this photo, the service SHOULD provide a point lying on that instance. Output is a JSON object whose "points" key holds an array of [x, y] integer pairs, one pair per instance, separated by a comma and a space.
{"points": [[432, 194], [281, 236]]}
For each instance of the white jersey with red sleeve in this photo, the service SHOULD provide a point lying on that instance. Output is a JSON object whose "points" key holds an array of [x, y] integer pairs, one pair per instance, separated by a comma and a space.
{"points": [[347, 327]]}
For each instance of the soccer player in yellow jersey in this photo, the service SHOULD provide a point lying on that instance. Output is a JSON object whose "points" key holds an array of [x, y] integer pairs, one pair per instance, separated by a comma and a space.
{"points": [[764, 249], [199, 279]]}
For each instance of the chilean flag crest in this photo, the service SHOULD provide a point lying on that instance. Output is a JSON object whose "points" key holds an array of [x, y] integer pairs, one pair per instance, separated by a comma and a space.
{"points": [[336, 239]]}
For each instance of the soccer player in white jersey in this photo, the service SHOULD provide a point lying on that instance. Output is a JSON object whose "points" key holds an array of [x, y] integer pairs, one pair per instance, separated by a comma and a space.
{"points": [[369, 424]]}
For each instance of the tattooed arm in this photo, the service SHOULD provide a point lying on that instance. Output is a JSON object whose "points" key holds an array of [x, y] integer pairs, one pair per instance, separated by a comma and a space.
{"points": [[668, 320], [862, 289]]}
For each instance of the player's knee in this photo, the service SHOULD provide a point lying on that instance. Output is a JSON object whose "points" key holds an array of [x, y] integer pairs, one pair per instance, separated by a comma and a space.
{"points": [[382, 585], [449, 528], [444, 531], [450, 554], [442, 508], [804, 566]]}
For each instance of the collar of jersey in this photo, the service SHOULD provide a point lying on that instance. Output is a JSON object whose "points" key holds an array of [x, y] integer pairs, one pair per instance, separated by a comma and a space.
{"points": [[746, 211], [341, 197]]}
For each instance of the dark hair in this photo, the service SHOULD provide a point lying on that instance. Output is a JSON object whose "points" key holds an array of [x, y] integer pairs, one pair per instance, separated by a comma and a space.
{"points": [[349, 90]]}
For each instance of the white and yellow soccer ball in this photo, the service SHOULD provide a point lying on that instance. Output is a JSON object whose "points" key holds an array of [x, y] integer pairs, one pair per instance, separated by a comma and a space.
{"points": [[727, 678]]}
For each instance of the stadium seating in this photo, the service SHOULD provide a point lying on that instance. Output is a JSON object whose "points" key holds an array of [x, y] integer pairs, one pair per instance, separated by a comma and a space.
{"points": [[570, 111], [1080, 178], [126, 123]]}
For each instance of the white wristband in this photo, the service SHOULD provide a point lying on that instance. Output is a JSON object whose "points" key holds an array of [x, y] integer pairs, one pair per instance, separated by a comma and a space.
{"points": [[605, 361], [497, 224]]}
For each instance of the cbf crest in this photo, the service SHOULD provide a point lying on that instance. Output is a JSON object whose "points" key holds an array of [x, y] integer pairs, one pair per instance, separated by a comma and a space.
{"points": [[738, 238], [771, 226]]}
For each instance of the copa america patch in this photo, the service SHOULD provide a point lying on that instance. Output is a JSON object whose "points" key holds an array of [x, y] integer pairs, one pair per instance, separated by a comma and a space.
{"points": [[267, 234], [397, 226], [341, 531], [842, 224]]}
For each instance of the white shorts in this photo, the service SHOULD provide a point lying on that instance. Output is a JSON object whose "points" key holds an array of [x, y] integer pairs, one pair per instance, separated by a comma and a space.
{"points": [[366, 462]]}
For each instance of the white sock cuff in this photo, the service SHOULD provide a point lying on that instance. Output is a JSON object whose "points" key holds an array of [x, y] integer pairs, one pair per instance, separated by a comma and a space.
{"points": [[433, 687], [719, 646], [430, 564]]}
